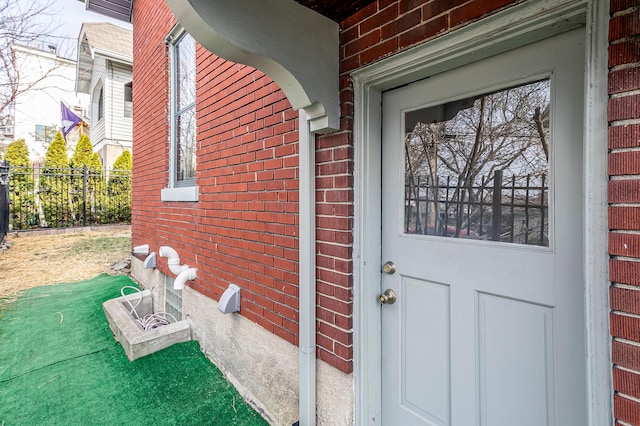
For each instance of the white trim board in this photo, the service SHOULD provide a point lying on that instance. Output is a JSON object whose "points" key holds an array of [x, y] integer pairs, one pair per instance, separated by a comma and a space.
{"points": [[508, 29]]}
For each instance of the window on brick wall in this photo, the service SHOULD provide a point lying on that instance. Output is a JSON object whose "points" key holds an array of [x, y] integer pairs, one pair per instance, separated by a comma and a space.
{"points": [[182, 118]]}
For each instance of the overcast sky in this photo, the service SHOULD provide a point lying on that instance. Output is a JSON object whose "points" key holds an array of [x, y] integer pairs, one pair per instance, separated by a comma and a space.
{"points": [[68, 17]]}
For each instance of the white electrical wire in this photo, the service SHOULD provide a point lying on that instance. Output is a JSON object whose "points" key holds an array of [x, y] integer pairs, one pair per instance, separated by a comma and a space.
{"points": [[149, 321]]}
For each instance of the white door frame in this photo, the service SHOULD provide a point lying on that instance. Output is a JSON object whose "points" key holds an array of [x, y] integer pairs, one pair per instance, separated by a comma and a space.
{"points": [[513, 27]]}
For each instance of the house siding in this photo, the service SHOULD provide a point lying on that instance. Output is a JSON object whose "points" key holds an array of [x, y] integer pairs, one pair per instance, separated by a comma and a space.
{"points": [[98, 76], [119, 126], [113, 133], [624, 206]]}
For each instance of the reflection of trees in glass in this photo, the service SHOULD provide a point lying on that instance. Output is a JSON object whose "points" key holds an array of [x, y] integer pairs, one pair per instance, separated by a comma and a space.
{"points": [[186, 145], [455, 149], [185, 125]]}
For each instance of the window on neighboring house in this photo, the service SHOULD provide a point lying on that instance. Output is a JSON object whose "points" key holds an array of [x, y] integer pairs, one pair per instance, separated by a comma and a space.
{"points": [[6, 127], [44, 133], [182, 107], [101, 104], [128, 99]]}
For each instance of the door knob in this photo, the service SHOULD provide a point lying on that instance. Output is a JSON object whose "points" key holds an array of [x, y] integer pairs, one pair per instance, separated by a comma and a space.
{"points": [[389, 267], [388, 297]]}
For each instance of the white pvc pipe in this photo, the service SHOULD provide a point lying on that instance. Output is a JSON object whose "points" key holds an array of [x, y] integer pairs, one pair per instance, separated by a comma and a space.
{"points": [[173, 260], [184, 276], [307, 279]]}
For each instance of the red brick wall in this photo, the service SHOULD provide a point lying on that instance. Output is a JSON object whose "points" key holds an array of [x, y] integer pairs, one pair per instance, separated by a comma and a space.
{"points": [[388, 26], [244, 228], [624, 207]]}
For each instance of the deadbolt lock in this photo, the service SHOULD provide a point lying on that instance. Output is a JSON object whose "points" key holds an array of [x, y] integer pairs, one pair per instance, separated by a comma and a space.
{"points": [[389, 267], [388, 297]]}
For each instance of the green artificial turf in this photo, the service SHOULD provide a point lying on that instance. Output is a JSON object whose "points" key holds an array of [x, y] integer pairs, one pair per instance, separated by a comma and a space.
{"points": [[60, 365]]}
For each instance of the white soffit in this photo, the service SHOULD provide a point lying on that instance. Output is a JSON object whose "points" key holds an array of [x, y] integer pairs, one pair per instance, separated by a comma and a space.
{"points": [[293, 45]]}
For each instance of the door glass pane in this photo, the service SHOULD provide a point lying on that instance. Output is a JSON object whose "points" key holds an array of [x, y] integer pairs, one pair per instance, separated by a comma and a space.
{"points": [[478, 167]]}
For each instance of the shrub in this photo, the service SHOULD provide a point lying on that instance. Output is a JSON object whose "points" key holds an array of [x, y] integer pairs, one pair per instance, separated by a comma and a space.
{"points": [[120, 188], [54, 181], [23, 212]]}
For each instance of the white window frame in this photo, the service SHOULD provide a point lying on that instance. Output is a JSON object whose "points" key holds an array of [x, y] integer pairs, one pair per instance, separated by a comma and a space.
{"points": [[185, 190]]}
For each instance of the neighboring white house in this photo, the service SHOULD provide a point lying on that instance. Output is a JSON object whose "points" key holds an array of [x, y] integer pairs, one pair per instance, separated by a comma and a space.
{"points": [[36, 110], [104, 72], [6, 130]]}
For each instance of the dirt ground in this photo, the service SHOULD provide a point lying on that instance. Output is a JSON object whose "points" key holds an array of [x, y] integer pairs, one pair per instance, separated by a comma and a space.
{"points": [[37, 258]]}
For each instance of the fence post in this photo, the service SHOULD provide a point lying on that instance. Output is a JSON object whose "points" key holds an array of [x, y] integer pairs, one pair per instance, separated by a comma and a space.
{"points": [[4, 199], [496, 206], [84, 195]]}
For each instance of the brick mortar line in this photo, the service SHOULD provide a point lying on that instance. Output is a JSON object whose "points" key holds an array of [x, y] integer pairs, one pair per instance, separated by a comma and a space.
{"points": [[629, 397], [624, 204], [625, 314], [628, 342], [624, 177], [625, 286], [625, 94], [624, 40], [625, 258], [337, 300], [335, 327], [621, 67], [629, 370], [626, 122], [624, 231], [625, 11], [336, 355], [622, 150], [397, 36], [346, 274]]}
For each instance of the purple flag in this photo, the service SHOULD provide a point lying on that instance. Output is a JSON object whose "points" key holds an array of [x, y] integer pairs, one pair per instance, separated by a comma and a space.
{"points": [[69, 119]]}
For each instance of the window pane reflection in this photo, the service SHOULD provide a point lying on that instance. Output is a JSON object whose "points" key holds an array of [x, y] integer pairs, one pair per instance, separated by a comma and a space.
{"points": [[478, 167], [184, 123], [186, 145], [186, 67]]}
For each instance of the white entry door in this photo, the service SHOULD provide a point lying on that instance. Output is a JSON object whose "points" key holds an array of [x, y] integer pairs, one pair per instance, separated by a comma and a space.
{"points": [[482, 297]]}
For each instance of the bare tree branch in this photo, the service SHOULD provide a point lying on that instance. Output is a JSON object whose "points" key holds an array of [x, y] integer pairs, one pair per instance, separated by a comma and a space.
{"points": [[22, 24]]}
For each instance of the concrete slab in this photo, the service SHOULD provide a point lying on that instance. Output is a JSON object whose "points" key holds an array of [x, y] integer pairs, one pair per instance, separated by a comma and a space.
{"points": [[135, 341]]}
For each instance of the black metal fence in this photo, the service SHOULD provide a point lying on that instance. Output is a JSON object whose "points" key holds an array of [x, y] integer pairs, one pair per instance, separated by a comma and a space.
{"points": [[4, 199], [511, 209], [41, 197]]}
